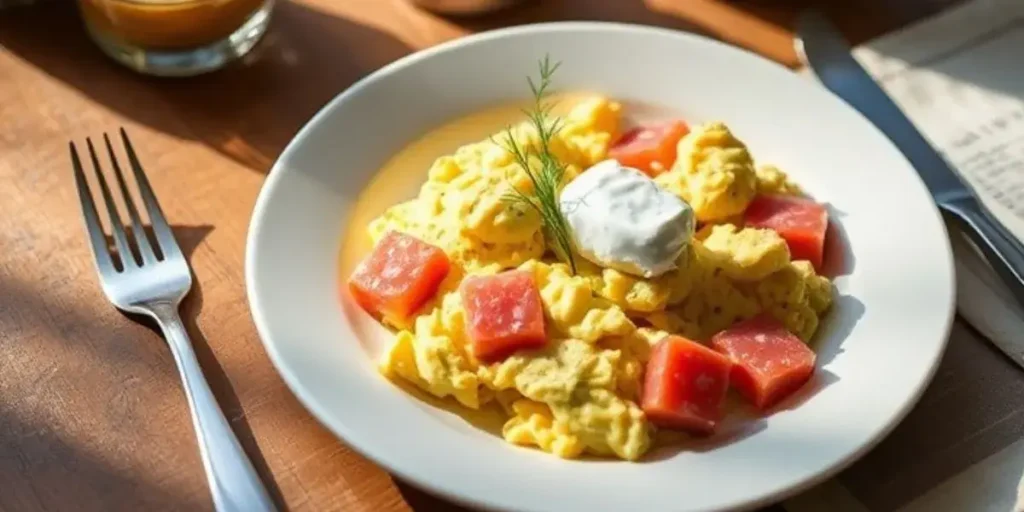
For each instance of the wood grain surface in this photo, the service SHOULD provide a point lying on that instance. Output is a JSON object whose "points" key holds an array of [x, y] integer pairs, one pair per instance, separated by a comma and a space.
{"points": [[92, 416]]}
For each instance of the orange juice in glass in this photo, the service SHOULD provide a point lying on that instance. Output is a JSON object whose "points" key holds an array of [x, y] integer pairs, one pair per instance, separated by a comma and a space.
{"points": [[176, 37]]}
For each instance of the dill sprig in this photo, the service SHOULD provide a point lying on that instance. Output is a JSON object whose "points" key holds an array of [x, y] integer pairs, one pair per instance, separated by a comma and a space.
{"points": [[547, 179]]}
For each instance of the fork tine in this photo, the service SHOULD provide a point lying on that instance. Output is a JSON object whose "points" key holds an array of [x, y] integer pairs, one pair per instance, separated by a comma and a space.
{"points": [[116, 227], [92, 220], [164, 235], [145, 250]]}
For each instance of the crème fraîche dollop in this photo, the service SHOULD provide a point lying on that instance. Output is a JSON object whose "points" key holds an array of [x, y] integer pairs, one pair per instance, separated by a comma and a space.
{"points": [[621, 219]]}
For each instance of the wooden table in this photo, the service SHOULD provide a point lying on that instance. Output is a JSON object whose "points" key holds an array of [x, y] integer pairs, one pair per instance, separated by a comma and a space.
{"points": [[92, 416]]}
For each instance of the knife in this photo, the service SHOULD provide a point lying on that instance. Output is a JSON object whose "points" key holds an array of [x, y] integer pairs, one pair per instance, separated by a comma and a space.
{"points": [[820, 45]]}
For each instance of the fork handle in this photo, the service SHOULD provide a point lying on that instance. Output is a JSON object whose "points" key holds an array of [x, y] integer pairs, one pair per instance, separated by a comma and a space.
{"points": [[234, 484], [1000, 247]]}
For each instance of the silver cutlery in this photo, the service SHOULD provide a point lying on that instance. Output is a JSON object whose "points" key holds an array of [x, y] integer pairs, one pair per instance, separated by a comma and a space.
{"points": [[152, 280], [824, 49]]}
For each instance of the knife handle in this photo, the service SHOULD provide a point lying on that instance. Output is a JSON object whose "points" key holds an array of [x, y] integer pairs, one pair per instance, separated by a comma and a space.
{"points": [[1002, 250]]}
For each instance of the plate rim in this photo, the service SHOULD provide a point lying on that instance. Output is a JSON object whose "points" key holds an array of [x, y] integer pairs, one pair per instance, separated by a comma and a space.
{"points": [[311, 404]]}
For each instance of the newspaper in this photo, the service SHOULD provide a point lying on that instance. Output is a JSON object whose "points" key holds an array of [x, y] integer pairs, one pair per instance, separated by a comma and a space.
{"points": [[959, 76]]}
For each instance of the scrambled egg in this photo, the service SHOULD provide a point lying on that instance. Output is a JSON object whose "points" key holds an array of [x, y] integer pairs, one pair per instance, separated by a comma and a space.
{"points": [[579, 395], [795, 296], [713, 172], [570, 304], [771, 180], [747, 254], [578, 382], [533, 424]]}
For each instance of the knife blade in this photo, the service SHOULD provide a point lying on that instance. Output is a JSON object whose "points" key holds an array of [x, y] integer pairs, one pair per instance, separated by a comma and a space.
{"points": [[821, 46], [825, 50]]}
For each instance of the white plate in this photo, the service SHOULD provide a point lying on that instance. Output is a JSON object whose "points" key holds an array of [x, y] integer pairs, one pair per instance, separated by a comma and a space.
{"points": [[877, 351]]}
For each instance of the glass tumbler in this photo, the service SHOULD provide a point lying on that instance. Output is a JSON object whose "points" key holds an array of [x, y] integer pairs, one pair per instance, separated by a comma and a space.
{"points": [[175, 37]]}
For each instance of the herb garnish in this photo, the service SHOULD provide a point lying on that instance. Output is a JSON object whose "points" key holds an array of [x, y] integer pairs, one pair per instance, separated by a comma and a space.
{"points": [[548, 177]]}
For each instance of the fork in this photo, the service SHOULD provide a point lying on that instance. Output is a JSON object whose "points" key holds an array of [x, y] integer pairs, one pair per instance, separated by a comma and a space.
{"points": [[154, 286]]}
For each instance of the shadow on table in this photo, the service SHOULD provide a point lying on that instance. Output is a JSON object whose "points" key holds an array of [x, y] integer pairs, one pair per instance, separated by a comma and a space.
{"points": [[972, 410], [50, 458], [248, 111], [421, 500], [54, 473], [766, 26], [537, 11]]}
